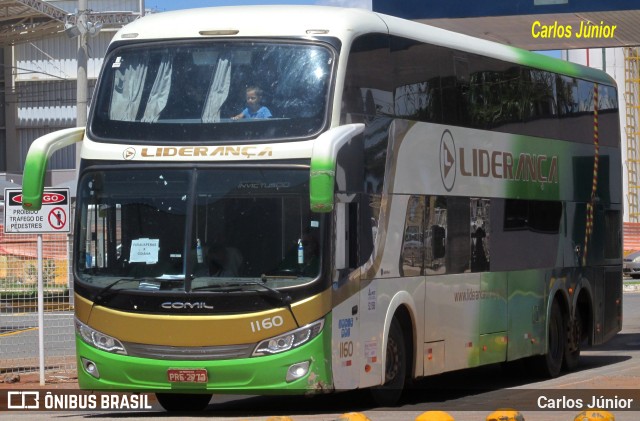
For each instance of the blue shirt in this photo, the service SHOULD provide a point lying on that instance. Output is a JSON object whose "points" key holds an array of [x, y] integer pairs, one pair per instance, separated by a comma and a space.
{"points": [[263, 112]]}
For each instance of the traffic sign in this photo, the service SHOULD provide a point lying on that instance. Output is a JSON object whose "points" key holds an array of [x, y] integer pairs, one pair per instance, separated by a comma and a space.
{"points": [[51, 218]]}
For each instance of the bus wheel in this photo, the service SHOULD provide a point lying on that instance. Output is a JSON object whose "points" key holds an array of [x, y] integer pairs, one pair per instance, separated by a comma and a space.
{"points": [[550, 364], [395, 371], [574, 338], [174, 402]]}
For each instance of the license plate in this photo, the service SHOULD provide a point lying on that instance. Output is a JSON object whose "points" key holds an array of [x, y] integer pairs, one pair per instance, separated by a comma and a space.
{"points": [[178, 375]]}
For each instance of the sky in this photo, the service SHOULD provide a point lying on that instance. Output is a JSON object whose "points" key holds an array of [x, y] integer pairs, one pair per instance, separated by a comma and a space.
{"points": [[162, 5]]}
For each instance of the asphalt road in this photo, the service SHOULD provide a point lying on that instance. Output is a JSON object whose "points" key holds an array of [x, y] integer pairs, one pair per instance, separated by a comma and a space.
{"points": [[611, 371], [19, 333]]}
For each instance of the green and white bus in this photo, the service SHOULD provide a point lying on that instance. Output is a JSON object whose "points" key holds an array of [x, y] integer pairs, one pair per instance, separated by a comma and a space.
{"points": [[417, 202]]}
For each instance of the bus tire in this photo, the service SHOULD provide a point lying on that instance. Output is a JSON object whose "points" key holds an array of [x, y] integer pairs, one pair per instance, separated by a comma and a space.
{"points": [[179, 402], [395, 371], [550, 364]]}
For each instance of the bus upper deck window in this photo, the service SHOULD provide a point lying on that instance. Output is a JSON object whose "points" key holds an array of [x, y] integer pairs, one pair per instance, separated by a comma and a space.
{"points": [[197, 92]]}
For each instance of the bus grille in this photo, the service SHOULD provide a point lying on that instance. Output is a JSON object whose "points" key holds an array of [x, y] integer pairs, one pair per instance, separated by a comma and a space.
{"points": [[193, 353]]}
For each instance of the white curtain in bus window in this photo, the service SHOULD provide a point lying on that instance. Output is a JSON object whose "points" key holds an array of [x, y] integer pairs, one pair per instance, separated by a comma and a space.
{"points": [[127, 87], [159, 92], [218, 92]]}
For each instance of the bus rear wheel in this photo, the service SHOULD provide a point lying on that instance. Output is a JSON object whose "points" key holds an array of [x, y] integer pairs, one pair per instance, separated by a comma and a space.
{"points": [[395, 372], [550, 364], [178, 402]]}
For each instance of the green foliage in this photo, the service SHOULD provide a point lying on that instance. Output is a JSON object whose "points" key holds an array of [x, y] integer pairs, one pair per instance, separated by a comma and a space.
{"points": [[32, 294]]}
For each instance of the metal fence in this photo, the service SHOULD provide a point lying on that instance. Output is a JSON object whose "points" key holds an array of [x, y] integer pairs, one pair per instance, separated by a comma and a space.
{"points": [[19, 347]]}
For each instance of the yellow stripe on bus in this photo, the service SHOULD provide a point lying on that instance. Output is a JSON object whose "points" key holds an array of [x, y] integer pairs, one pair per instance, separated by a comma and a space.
{"points": [[201, 330]]}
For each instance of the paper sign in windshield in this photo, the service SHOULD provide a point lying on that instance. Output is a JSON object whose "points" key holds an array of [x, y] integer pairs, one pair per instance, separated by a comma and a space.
{"points": [[144, 250]]}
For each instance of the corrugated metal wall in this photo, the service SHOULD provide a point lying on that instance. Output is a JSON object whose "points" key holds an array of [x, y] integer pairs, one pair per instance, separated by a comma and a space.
{"points": [[3, 129], [46, 90], [42, 108], [55, 58], [46, 82], [99, 5]]}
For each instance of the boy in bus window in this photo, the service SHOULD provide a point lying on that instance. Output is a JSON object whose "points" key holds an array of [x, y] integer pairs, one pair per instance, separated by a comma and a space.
{"points": [[254, 108]]}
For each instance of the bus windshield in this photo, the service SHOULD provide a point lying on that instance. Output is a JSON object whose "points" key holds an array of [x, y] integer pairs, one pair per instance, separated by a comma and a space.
{"points": [[197, 92], [144, 229]]}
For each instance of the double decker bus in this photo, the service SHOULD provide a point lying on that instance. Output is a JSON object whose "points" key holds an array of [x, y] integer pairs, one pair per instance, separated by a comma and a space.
{"points": [[414, 202]]}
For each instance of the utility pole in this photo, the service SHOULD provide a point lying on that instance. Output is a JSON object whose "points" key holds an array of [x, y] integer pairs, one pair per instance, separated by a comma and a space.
{"points": [[82, 80]]}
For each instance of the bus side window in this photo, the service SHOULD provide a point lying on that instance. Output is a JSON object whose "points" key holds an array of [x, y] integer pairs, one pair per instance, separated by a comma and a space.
{"points": [[436, 244], [413, 240], [438, 241], [346, 232], [437, 235], [458, 215], [480, 234], [352, 236], [613, 235]]}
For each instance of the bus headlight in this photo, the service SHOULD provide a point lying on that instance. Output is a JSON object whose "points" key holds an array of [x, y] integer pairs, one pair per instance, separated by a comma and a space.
{"points": [[289, 340], [99, 339]]}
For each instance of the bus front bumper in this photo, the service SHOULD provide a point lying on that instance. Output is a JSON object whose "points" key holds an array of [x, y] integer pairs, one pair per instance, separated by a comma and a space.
{"points": [[256, 375]]}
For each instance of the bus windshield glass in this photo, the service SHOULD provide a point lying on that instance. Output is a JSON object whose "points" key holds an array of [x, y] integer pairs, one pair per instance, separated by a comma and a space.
{"points": [[198, 92], [144, 229]]}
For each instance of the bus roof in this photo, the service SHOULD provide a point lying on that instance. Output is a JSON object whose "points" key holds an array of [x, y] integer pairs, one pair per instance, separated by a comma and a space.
{"points": [[345, 24], [254, 21]]}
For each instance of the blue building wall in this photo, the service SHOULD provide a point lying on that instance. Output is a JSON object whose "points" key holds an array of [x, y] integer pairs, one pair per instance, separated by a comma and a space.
{"points": [[435, 9]]}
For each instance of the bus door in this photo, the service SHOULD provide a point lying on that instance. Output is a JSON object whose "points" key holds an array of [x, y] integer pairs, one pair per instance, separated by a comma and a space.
{"points": [[346, 346]]}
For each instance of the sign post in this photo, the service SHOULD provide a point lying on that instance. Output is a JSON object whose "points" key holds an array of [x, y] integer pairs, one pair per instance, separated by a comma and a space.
{"points": [[53, 217], [40, 311]]}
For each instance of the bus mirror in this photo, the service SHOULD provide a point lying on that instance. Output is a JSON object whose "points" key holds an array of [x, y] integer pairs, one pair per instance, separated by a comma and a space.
{"points": [[323, 165], [36, 163]]}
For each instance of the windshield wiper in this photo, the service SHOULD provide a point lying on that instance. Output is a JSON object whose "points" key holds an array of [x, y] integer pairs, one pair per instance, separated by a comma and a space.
{"points": [[239, 286], [100, 297], [284, 299]]}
